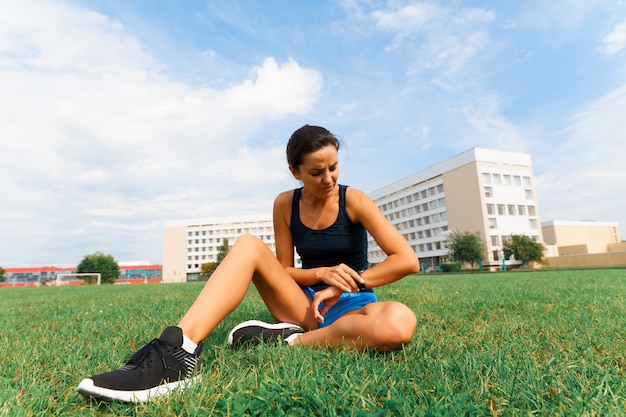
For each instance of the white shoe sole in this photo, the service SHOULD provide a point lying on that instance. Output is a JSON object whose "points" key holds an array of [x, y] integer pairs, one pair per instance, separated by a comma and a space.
{"points": [[249, 323], [88, 389]]}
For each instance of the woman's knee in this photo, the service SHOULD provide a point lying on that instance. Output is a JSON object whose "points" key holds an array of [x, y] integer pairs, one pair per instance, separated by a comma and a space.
{"points": [[249, 242], [399, 326]]}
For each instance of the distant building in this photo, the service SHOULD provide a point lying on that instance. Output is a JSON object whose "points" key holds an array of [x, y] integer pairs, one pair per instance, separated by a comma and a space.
{"points": [[130, 273], [187, 244], [481, 190], [583, 243]]}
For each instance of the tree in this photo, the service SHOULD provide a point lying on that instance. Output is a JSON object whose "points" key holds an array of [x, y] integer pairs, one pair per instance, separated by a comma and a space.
{"points": [[3, 277], [524, 248], [223, 252], [207, 269], [106, 265], [466, 247]]}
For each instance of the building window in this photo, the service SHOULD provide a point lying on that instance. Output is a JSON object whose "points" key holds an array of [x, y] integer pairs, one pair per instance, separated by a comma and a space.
{"points": [[532, 223], [506, 179], [531, 211], [491, 209], [495, 241], [496, 255], [488, 192], [517, 180], [521, 210], [501, 211], [511, 209], [526, 181], [497, 179], [529, 194], [493, 224], [486, 178]]}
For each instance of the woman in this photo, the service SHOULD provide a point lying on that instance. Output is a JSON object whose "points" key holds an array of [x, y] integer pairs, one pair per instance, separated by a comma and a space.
{"points": [[328, 302]]}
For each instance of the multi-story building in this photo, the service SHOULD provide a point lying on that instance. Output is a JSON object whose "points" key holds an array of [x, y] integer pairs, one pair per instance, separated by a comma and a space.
{"points": [[485, 191], [187, 244]]}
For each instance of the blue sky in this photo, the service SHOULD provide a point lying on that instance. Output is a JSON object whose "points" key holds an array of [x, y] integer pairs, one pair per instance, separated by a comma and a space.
{"points": [[117, 116]]}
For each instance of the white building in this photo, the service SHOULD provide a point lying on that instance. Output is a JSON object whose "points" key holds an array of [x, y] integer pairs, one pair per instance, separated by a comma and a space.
{"points": [[481, 190], [187, 244]]}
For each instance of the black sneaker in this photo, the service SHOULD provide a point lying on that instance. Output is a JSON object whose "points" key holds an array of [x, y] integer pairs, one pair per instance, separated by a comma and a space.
{"points": [[155, 370], [253, 332]]}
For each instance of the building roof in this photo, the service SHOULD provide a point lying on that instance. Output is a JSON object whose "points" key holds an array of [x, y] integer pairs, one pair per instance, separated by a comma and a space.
{"points": [[464, 158]]}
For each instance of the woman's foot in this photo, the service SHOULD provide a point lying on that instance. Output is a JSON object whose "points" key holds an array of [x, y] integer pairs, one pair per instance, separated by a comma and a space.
{"points": [[253, 332], [155, 370]]}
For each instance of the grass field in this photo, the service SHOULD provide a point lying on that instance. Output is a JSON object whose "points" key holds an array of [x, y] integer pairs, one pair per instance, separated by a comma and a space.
{"points": [[501, 344]]}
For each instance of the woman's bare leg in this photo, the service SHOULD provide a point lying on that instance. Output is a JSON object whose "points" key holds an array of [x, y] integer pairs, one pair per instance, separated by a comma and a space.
{"points": [[381, 326], [249, 259]]}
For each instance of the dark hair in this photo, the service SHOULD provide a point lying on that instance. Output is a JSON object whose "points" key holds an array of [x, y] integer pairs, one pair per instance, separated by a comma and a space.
{"points": [[308, 139]]}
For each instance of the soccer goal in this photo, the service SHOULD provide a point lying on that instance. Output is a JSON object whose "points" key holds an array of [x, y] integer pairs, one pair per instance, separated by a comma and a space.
{"points": [[75, 279]]}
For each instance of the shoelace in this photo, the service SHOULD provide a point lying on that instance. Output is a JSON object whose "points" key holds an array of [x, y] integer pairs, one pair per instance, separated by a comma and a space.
{"points": [[143, 353]]}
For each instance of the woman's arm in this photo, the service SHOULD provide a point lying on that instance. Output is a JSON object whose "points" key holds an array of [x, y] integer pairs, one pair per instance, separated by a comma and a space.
{"points": [[401, 260]]}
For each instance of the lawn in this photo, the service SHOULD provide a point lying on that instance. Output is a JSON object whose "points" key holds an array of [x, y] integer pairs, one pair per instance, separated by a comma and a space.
{"points": [[500, 344]]}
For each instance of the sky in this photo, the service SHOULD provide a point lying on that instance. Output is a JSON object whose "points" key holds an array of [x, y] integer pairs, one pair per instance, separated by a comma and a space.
{"points": [[117, 116]]}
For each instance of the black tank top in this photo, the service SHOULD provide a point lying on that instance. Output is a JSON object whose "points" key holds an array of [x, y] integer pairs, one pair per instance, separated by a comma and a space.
{"points": [[342, 242]]}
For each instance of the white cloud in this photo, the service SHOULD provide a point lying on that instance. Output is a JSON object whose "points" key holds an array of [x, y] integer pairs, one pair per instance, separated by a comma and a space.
{"points": [[93, 129], [489, 128], [615, 40], [442, 40], [583, 178]]}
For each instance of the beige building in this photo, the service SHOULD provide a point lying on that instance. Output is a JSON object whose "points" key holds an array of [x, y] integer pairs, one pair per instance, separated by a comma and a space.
{"points": [[187, 244], [481, 190], [583, 243]]}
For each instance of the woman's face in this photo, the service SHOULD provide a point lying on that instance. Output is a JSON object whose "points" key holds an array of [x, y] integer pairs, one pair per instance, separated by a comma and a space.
{"points": [[319, 171]]}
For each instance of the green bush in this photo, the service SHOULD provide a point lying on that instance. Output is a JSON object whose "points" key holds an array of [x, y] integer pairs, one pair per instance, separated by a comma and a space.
{"points": [[451, 267]]}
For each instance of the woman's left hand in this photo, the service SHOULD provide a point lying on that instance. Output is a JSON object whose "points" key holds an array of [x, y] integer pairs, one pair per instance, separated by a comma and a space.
{"points": [[329, 296]]}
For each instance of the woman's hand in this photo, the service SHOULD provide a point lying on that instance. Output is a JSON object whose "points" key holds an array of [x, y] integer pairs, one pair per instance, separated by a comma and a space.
{"points": [[341, 276], [329, 296]]}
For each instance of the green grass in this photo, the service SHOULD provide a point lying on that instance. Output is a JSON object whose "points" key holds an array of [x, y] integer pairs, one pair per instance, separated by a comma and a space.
{"points": [[531, 343]]}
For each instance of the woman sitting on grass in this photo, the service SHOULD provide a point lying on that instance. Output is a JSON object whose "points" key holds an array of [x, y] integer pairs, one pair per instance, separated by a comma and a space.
{"points": [[329, 302]]}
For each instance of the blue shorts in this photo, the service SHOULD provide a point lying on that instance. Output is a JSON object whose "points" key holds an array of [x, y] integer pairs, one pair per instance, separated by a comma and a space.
{"points": [[348, 301]]}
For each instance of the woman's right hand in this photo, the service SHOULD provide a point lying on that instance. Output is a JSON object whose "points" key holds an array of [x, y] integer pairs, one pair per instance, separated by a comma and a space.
{"points": [[340, 276]]}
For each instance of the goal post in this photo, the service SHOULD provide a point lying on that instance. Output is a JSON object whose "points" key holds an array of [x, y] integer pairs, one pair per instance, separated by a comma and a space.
{"points": [[65, 279]]}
